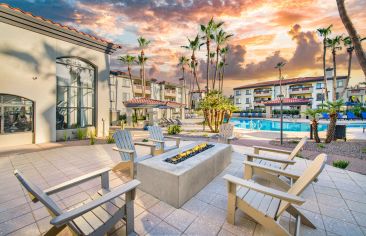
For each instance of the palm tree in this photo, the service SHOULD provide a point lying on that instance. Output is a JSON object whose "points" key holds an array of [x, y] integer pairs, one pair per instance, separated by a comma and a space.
{"points": [[314, 115], [194, 45], [129, 60], [223, 53], [143, 43], [207, 31], [325, 32], [221, 38], [221, 71], [347, 42], [183, 62], [279, 66], [141, 61], [332, 108], [334, 44], [361, 56]]}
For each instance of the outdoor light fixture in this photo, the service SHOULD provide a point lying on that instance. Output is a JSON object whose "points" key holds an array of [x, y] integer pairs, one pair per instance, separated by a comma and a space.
{"points": [[281, 117]]}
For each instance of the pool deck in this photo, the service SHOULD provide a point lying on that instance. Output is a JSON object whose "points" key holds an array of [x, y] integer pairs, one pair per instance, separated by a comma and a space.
{"points": [[336, 203]]}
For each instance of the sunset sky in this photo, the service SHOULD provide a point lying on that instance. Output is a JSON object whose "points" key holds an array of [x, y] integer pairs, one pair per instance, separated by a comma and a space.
{"points": [[265, 32]]}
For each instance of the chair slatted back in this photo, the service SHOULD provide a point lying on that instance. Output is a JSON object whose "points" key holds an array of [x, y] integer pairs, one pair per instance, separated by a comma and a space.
{"points": [[156, 132], [38, 194], [124, 140], [226, 130], [296, 150], [309, 175]]}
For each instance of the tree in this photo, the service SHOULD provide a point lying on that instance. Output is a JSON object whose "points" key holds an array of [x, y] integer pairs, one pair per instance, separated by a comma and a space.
{"points": [[223, 52], [143, 43], [129, 60], [279, 66], [314, 115], [325, 32], [352, 34], [183, 62], [207, 31], [347, 42], [141, 61], [334, 44], [194, 45], [221, 38], [216, 107], [332, 108]]}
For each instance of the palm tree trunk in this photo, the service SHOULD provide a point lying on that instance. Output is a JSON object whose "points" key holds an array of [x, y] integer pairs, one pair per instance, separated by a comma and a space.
{"points": [[132, 87], [352, 34], [222, 74], [334, 97], [208, 63], [331, 127], [216, 67], [324, 70], [315, 131], [349, 50]]}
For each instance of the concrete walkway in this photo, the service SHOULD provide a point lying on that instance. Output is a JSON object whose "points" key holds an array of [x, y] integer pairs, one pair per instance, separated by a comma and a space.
{"points": [[336, 203]]}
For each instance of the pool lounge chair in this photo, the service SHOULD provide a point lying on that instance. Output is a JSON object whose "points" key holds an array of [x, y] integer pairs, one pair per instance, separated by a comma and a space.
{"points": [[266, 205], [127, 151], [95, 216], [363, 115], [256, 163], [340, 116], [157, 137], [325, 116], [246, 114], [351, 115]]}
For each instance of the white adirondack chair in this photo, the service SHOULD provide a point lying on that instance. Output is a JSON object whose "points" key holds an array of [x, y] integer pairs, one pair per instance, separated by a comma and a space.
{"points": [[157, 137], [226, 133], [95, 216], [127, 151], [266, 205]]}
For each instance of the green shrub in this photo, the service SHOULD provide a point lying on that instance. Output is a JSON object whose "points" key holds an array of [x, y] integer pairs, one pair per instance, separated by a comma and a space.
{"points": [[320, 145], [363, 150], [342, 164], [92, 137], [110, 139], [65, 136], [205, 135], [145, 140], [80, 133], [174, 129], [294, 141]]}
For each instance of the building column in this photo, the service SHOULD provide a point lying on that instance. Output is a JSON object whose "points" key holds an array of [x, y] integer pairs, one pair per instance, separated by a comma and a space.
{"points": [[153, 115], [268, 111], [129, 112]]}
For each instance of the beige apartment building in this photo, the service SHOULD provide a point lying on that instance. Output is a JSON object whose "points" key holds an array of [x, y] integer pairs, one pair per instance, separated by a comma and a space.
{"points": [[53, 80]]}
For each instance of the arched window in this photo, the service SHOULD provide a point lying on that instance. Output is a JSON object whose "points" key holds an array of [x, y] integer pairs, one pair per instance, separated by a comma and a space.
{"points": [[75, 93], [16, 114]]}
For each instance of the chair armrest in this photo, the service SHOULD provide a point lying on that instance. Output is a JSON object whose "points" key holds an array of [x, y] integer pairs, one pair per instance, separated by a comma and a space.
{"points": [[258, 148], [274, 159], [123, 150], [155, 140], [74, 213], [286, 173], [265, 190], [76, 181], [171, 137], [145, 144]]}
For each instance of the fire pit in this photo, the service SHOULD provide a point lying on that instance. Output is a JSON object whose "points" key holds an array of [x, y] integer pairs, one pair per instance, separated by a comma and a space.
{"points": [[176, 176]]}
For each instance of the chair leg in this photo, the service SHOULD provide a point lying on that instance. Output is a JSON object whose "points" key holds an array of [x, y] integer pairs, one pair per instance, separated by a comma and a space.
{"points": [[295, 213], [130, 196], [248, 172], [54, 230], [231, 203]]}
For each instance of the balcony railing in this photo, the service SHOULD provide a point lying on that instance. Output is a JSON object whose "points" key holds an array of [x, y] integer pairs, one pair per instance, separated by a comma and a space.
{"points": [[300, 90], [169, 92], [262, 92]]}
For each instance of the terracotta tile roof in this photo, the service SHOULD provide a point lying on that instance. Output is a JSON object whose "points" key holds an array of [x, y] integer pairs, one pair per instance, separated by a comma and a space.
{"points": [[287, 81], [148, 102], [69, 28], [288, 101]]}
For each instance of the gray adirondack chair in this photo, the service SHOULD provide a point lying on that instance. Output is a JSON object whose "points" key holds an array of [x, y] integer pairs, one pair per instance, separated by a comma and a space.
{"points": [[127, 151], [266, 205], [226, 133], [157, 137], [94, 216]]}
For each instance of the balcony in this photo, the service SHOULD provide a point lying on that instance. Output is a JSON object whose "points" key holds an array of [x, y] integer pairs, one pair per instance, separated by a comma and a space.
{"points": [[259, 102], [138, 89], [300, 90], [262, 93], [170, 93]]}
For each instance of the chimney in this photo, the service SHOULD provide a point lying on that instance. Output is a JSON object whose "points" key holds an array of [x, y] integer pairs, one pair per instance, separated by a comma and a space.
{"points": [[329, 72]]}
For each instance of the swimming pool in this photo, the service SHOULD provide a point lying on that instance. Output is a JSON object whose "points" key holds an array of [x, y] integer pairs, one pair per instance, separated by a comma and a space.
{"points": [[271, 125]]}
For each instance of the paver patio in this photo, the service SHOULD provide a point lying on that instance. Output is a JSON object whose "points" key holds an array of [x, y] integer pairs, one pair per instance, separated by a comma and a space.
{"points": [[336, 203]]}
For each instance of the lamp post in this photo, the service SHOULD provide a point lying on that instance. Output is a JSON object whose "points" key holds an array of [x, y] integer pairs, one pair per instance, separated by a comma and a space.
{"points": [[279, 67]]}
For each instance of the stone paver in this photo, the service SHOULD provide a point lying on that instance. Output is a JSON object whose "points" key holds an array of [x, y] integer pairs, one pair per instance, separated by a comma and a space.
{"points": [[336, 203]]}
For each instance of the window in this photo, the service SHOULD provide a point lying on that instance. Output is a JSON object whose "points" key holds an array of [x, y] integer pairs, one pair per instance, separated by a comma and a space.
{"points": [[238, 101], [75, 93], [125, 96], [237, 92], [320, 97], [126, 82], [16, 114], [339, 83], [247, 92], [337, 95], [247, 100], [319, 85]]}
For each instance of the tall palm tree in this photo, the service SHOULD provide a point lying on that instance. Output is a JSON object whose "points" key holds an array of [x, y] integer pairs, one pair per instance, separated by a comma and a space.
{"points": [[347, 42], [194, 45], [332, 108], [351, 30], [129, 60], [141, 60], [221, 71], [314, 115], [325, 32], [183, 62], [223, 52], [221, 38], [279, 66], [334, 44], [208, 31], [143, 44]]}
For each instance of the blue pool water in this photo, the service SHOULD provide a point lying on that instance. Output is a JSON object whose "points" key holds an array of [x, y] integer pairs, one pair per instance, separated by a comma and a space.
{"points": [[262, 124]]}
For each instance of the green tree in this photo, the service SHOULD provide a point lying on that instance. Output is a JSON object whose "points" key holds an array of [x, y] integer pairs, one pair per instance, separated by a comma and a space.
{"points": [[143, 44], [334, 44], [325, 32], [221, 38], [223, 52], [129, 60], [332, 108], [314, 115], [194, 45], [183, 62], [279, 66]]}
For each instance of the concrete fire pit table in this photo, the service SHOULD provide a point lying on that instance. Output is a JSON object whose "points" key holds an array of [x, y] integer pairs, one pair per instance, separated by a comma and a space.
{"points": [[177, 183]]}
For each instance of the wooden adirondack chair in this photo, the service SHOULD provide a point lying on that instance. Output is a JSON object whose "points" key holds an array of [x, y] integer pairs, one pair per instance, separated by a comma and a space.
{"points": [[270, 167], [226, 133], [266, 205], [127, 151], [95, 216], [156, 136]]}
